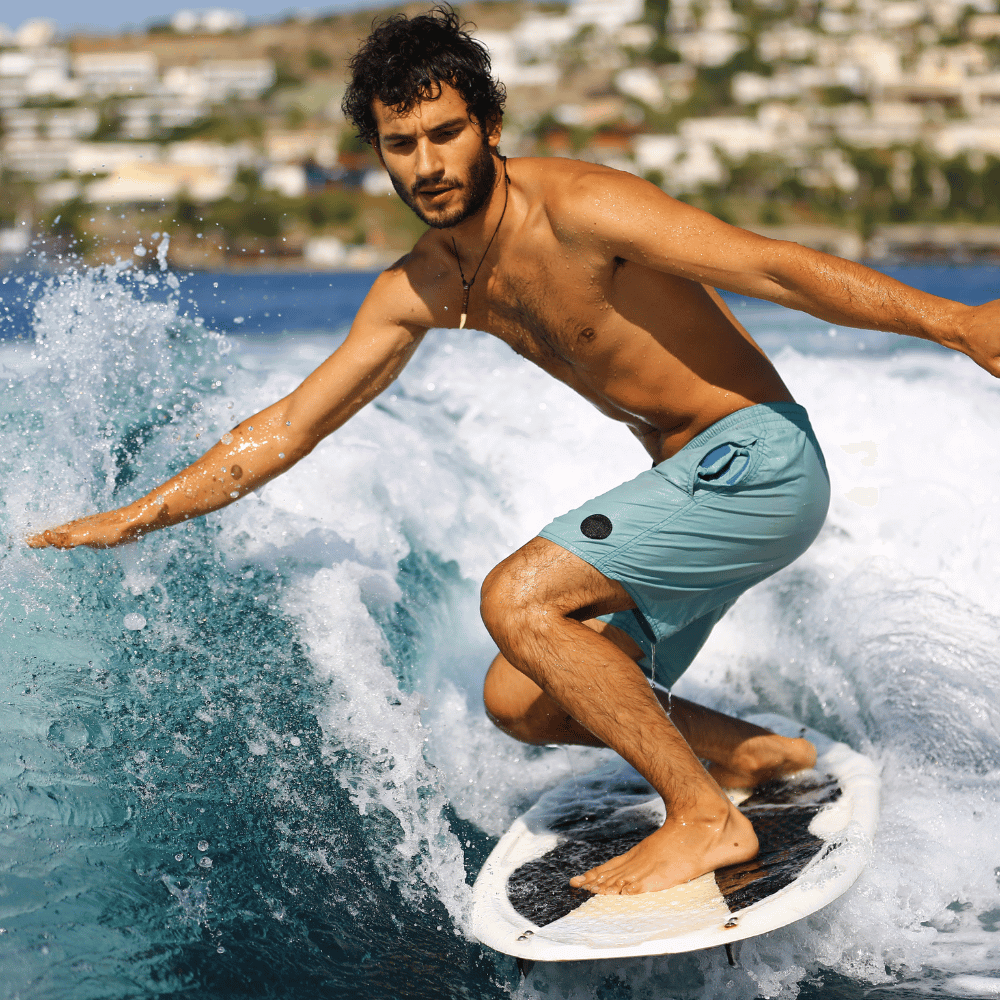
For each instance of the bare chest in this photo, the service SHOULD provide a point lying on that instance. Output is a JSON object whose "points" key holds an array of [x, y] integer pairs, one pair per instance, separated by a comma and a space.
{"points": [[548, 318]]}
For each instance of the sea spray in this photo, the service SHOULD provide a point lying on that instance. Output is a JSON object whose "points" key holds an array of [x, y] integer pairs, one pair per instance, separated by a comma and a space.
{"points": [[305, 694]]}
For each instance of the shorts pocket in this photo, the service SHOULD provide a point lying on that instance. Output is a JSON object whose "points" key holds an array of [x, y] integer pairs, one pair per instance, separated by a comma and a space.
{"points": [[725, 464]]}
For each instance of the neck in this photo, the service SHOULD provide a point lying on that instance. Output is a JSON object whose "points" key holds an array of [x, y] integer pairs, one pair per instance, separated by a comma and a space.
{"points": [[469, 281], [472, 234]]}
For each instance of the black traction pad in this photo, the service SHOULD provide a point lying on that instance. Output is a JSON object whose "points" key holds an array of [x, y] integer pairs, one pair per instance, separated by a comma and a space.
{"points": [[780, 811]]}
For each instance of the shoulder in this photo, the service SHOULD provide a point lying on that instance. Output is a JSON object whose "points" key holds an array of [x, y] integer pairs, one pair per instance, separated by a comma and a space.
{"points": [[413, 292], [582, 198]]}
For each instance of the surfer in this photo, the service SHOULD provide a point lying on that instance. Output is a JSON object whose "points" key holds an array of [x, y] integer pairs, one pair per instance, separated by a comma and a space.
{"points": [[608, 284]]}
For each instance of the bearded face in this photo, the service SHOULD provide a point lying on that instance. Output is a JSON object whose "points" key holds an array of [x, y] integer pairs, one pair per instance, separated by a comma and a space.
{"points": [[473, 189]]}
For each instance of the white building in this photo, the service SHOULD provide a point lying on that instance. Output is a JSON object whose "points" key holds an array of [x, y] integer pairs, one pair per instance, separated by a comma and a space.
{"points": [[887, 124], [377, 183], [35, 33], [708, 48], [49, 123], [608, 15], [288, 179], [214, 21], [242, 78], [106, 157], [641, 83], [39, 72], [146, 117], [976, 135], [324, 251], [36, 159], [217, 155], [515, 64], [736, 137], [296, 147], [787, 42], [137, 182], [106, 73]]}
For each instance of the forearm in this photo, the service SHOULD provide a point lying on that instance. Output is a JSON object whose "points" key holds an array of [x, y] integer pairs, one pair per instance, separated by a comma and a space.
{"points": [[250, 455], [845, 293]]}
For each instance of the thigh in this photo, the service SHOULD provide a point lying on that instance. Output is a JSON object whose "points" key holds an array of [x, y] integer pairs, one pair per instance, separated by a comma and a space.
{"points": [[510, 694], [544, 575]]}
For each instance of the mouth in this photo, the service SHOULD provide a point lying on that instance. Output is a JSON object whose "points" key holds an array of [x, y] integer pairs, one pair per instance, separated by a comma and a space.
{"points": [[435, 192]]}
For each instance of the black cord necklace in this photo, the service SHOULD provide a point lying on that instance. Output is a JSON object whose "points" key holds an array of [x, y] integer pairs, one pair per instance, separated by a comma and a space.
{"points": [[467, 285]]}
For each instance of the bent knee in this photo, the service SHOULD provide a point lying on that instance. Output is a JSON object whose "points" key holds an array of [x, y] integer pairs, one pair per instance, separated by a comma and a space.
{"points": [[505, 602], [513, 702]]}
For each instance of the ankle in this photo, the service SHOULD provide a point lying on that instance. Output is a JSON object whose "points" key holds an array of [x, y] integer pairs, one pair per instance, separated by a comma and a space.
{"points": [[712, 810], [769, 755]]}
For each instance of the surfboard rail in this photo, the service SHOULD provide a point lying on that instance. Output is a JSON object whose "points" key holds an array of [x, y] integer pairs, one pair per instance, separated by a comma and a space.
{"points": [[697, 914]]}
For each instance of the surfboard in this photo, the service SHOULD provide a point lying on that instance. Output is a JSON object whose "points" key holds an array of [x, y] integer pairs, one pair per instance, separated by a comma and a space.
{"points": [[815, 828]]}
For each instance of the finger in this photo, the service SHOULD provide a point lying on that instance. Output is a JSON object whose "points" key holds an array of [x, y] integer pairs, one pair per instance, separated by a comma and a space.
{"points": [[38, 541], [61, 539]]}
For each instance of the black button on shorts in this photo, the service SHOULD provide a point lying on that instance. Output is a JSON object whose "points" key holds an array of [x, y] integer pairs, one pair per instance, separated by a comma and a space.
{"points": [[596, 526]]}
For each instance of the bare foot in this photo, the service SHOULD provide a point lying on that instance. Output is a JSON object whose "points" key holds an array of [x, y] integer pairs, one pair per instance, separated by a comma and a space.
{"points": [[764, 758], [682, 849]]}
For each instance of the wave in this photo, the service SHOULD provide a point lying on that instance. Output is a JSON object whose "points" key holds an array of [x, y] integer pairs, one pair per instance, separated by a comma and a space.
{"points": [[282, 781]]}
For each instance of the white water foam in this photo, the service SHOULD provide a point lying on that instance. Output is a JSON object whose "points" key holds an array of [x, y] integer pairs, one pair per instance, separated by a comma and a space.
{"points": [[884, 634]]}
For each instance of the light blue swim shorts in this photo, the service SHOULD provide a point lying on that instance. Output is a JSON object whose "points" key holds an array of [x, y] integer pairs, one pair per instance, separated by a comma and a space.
{"points": [[740, 501]]}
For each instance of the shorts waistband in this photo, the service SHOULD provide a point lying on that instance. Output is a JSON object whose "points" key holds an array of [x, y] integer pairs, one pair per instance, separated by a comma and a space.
{"points": [[757, 415]]}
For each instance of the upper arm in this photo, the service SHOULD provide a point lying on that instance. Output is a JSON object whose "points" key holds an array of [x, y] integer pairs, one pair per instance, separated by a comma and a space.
{"points": [[632, 219], [385, 333]]}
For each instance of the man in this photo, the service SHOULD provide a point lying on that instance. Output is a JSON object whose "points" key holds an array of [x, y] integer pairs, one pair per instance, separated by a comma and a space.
{"points": [[608, 284]]}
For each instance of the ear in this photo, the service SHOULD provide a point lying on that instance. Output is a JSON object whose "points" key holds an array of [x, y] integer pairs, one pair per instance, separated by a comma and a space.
{"points": [[493, 133]]}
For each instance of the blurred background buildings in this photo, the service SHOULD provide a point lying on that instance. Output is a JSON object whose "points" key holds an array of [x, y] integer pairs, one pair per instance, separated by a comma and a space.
{"points": [[870, 128]]}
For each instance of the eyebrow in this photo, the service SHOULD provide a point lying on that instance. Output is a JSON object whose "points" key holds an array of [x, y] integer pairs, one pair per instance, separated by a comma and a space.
{"points": [[437, 128]]}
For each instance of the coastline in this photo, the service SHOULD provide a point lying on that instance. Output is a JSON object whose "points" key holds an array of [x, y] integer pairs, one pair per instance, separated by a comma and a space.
{"points": [[902, 243]]}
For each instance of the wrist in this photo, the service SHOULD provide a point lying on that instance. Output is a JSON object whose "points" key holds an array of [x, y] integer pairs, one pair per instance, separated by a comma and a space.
{"points": [[143, 515], [949, 329]]}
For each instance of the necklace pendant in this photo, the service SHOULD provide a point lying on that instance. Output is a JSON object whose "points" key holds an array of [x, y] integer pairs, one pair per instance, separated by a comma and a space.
{"points": [[461, 325]]}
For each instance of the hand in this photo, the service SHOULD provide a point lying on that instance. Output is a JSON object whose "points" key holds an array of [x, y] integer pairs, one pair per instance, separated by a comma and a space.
{"points": [[98, 531], [979, 336]]}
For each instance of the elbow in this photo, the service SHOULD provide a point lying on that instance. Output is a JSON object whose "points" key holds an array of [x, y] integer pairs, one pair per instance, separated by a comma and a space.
{"points": [[298, 449]]}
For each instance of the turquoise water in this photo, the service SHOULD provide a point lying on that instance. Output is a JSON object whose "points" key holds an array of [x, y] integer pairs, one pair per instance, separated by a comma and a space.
{"points": [[247, 757]]}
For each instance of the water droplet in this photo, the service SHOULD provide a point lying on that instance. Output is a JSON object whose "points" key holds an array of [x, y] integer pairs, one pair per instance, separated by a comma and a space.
{"points": [[295, 741], [235, 494], [205, 863], [134, 622], [281, 454], [202, 845], [227, 438], [178, 857], [220, 950]]}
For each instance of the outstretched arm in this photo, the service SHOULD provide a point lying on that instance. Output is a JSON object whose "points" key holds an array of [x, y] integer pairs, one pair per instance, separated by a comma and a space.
{"points": [[266, 444], [639, 222]]}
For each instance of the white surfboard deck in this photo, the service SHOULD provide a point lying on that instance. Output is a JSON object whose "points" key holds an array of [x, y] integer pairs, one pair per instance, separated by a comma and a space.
{"points": [[816, 830]]}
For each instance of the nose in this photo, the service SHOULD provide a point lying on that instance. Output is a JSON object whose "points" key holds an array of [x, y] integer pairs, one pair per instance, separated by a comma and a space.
{"points": [[429, 164]]}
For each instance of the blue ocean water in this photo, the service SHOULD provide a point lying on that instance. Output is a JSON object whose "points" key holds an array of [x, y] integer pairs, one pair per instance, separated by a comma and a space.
{"points": [[248, 758]]}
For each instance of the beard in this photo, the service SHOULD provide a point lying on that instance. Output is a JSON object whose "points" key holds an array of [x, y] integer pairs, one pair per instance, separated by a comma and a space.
{"points": [[477, 188]]}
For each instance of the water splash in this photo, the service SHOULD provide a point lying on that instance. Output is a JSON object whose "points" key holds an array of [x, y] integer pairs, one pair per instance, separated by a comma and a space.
{"points": [[304, 697]]}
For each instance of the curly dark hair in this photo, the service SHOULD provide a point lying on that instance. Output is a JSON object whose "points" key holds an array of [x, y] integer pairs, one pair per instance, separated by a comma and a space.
{"points": [[406, 60]]}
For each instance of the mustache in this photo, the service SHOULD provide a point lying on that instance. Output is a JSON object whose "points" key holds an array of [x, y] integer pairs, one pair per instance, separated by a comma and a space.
{"points": [[444, 183]]}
